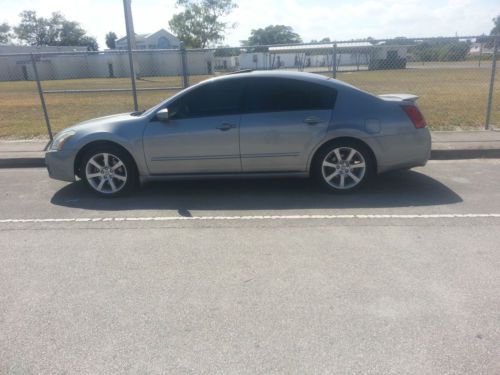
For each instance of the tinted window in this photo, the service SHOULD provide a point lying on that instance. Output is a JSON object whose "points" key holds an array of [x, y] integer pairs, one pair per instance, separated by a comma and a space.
{"points": [[211, 99], [277, 94]]}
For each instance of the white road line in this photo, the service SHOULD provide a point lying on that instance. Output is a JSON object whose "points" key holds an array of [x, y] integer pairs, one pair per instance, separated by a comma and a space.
{"points": [[252, 217]]}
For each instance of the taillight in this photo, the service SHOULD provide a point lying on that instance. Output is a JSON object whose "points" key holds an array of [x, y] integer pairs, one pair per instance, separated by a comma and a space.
{"points": [[415, 116]]}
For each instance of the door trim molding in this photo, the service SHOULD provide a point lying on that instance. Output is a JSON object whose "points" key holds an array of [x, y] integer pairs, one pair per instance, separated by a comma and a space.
{"points": [[180, 158], [269, 155]]}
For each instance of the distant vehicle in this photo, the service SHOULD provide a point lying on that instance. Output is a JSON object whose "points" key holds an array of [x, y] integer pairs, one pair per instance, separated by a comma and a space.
{"points": [[251, 124]]}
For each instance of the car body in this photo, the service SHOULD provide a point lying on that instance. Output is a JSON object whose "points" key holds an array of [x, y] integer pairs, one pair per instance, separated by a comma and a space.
{"points": [[255, 124]]}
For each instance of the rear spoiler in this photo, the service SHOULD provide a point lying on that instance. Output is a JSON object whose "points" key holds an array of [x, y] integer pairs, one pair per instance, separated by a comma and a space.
{"points": [[399, 97]]}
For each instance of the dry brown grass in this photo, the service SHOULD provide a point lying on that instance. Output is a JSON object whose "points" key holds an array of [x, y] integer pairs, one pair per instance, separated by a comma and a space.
{"points": [[450, 98]]}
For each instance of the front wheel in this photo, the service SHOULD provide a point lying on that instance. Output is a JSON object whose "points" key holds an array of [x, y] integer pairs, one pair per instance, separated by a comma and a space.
{"points": [[108, 171], [343, 166]]}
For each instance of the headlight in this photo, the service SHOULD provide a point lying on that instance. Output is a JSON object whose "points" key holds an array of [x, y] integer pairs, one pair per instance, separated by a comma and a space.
{"points": [[60, 140]]}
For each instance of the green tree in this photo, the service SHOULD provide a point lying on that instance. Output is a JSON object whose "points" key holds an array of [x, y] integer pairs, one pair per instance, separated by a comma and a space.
{"points": [[34, 30], [324, 40], [111, 40], [89, 42], [440, 49], [454, 51], [226, 51], [371, 40], [5, 34], [201, 21], [496, 28], [53, 31], [273, 34]]}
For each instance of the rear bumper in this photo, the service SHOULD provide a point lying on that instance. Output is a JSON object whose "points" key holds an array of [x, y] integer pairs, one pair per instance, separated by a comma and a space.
{"points": [[60, 165], [410, 150]]}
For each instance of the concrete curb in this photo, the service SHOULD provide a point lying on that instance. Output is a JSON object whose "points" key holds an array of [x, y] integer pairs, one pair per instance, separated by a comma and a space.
{"points": [[435, 155], [22, 163], [489, 153]]}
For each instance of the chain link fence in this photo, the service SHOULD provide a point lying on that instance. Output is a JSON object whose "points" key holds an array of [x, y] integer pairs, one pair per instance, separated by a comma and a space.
{"points": [[455, 78]]}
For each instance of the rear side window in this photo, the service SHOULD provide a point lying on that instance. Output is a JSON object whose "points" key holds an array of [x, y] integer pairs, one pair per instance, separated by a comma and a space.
{"points": [[278, 94], [211, 99]]}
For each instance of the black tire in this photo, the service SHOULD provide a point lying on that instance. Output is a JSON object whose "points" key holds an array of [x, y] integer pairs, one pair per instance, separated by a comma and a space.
{"points": [[113, 177], [351, 170]]}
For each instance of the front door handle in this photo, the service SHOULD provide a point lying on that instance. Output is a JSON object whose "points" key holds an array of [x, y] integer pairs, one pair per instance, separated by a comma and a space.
{"points": [[312, 120], [225, 126]]}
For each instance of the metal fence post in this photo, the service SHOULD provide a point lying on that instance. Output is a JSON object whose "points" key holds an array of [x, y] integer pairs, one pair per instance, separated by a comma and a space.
{"points": [[492, 82], [42, 99], [184, 67], [334, 62], [480, 54]]}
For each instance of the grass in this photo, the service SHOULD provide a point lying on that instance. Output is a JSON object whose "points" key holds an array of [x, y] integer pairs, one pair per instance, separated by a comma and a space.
{"points": [[451, 99]]}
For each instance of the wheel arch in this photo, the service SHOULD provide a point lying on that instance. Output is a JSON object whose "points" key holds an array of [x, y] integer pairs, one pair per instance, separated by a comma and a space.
{"points": [[328, 142], [88, 146]]}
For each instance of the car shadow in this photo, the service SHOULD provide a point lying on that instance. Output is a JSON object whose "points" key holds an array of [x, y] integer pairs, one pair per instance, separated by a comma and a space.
{"points": [[395, 189]]}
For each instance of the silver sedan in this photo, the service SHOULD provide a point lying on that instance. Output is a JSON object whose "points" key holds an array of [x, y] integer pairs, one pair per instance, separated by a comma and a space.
{"points": [[251, 124]]}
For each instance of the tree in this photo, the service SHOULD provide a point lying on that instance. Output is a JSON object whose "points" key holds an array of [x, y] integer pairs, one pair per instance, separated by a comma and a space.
{"points": [[324, 40], [88, 42], [5, 34], [111, 40], [53, 31], [440, 49], [371, 40], [496, 28], [273, 34], [201, 21], [226, 51], [34, 30]]}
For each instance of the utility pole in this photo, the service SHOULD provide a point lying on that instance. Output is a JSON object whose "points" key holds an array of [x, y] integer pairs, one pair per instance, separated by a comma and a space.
{"points": [[129, 22], [127, 7]]}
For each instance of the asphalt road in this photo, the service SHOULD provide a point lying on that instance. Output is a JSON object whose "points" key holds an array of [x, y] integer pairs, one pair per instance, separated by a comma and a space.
{"points": [[250, 276]]}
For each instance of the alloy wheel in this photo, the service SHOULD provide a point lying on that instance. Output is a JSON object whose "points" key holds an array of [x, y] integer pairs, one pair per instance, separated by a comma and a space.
{"points": [[343, 168], [106, 173]]}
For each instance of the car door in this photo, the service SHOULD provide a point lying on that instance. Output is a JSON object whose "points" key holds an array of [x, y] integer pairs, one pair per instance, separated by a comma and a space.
{"points": [[201, 134], [282, 122]]}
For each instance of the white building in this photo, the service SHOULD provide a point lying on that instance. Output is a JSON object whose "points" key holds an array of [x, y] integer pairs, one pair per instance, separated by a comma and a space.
{"points": [[348, 55], [160, 39], [480, 49], [226, 63], [77, 65]]}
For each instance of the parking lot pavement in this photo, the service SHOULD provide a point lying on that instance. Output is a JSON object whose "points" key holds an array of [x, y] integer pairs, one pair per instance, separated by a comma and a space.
{"points": [[253, 276]]}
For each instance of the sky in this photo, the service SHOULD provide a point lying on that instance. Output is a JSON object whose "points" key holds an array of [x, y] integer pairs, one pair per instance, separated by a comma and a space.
{"points": [[312, 19]]}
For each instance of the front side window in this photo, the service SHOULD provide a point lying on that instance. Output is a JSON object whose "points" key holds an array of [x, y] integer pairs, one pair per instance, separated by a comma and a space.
{"points": [[280, 94], [212, 99]]}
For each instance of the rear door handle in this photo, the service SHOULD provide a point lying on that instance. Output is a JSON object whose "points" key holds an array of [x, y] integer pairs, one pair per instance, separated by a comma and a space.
{"points": [[225, 126], [312, 120]]}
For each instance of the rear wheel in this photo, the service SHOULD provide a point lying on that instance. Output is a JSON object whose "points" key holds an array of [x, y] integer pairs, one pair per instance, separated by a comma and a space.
{"points": [[343, 166], [108, 171]]}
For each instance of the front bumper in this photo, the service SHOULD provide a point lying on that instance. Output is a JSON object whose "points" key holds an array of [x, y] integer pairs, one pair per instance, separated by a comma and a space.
{"points": [[61, 164]]}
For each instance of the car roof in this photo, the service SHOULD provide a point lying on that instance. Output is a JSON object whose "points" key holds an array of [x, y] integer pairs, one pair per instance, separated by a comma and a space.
{"points": [[274, 74], [304, 76]]}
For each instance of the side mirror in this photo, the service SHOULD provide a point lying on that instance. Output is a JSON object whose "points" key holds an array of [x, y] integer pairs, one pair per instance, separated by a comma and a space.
{"points": [[162, 115]]}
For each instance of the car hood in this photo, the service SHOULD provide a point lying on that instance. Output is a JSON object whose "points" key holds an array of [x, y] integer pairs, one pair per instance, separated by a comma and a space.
{"points": [[103, 123]]}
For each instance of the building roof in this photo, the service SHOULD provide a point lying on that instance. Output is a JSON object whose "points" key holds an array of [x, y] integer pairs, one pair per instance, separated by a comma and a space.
{"points": [[321, 46], [143, 37], [9, 48]]}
